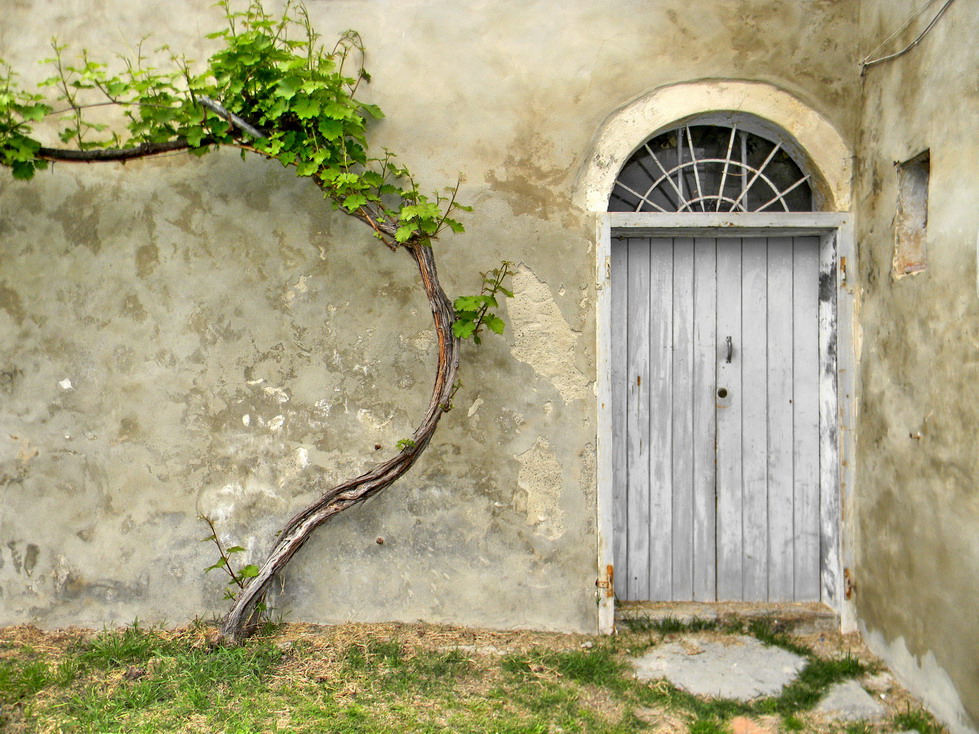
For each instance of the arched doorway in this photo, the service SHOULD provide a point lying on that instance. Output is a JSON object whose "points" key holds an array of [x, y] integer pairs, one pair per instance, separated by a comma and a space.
{"points": [[715, 378], [719, 281]]}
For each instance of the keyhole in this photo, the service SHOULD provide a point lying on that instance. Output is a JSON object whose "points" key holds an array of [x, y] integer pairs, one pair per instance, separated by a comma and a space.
{"points": [[722, 393]]}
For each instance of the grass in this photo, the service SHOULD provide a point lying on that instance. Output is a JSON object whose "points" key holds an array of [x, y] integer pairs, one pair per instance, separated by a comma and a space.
{"points": [[385, 678], [596, 667], [818, 675], [670, 625], [20, 682], [918, 720]]}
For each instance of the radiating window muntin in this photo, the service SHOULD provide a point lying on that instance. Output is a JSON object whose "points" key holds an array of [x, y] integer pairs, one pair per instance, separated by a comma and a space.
{"points": [[707, 167]]}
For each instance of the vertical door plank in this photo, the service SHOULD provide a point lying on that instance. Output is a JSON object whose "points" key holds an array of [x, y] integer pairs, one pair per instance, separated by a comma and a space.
{"points": [[781, 517], [704, 395], [806, 419], [660, 418], [683, 427], [728, 421], [754, 438], [619, 371], [637, 418]]}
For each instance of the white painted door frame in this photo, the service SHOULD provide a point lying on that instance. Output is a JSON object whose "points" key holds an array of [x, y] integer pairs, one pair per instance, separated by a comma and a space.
{"points": [[836, 370]]}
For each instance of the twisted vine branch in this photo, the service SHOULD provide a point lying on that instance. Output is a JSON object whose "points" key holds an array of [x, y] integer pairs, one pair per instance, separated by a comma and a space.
{"points": [[289, 101], [241, 618], [347, 494]]}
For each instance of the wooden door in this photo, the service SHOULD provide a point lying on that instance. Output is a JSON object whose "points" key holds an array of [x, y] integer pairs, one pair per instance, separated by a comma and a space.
{"points": [[715, 405]]}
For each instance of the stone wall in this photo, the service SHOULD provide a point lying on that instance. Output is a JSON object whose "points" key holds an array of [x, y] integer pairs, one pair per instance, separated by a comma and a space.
{"points": [[916, 501], [185, 337]]}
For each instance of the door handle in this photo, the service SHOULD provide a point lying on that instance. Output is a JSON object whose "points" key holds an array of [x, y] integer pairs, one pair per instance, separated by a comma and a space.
{"points": [[730, 350]]}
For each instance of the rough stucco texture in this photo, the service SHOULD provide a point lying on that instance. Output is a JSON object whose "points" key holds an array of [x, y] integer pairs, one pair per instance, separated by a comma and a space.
{"points": [[184, 337], [916, 503]]}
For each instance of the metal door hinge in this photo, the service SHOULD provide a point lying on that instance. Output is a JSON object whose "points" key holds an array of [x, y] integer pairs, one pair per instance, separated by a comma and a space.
{"points": [[849, 584], [607, 583], [843, 270]]}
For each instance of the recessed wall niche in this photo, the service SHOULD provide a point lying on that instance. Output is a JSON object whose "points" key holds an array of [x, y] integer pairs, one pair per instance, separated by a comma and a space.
{"points": [[911, 218]]}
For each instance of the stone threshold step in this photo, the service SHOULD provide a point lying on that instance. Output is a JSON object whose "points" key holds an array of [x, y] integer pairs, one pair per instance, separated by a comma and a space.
{"points": [[794, 617]]}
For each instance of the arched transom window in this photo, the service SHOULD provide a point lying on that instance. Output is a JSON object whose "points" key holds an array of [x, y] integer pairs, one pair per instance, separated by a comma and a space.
{"points": [[700, 167]]}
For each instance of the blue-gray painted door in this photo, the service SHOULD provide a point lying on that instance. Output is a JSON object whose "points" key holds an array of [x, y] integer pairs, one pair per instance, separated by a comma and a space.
{"points": [[715, 394]]}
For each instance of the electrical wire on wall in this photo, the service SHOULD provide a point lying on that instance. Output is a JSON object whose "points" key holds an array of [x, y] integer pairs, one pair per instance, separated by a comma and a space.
{"points": [[868, 61]]}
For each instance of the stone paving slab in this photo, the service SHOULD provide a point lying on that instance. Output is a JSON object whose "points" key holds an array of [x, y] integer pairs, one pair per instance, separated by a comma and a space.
{"points": [[848, 701], [739, 667]]}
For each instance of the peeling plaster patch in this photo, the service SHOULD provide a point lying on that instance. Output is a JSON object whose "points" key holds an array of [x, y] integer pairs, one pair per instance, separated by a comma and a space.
{"points": [[423, 340], [8, 378], [246, 419], [288, 473], [27, 452], [371, 419], [10, 302], [297, 288], [62, 572], [474, 407], [276, 423], [540, 479], [147, 258], [589, 469], [511, 421], [222, 504], [65, 384], [30, 558], [277, 394], [133, 308], [925, 678], [15, 555], [543, 339]]}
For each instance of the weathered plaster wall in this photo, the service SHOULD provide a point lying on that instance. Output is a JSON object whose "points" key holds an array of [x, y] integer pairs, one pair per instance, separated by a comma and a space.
{"points": [[230, 342], [916, 504]]}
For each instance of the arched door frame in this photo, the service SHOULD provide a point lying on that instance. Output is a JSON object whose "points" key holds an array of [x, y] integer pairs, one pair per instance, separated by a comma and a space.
{"points": [[620, 136]]}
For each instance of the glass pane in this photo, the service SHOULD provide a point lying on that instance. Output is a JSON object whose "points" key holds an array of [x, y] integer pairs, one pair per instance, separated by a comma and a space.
{"points": [[692, 169]]}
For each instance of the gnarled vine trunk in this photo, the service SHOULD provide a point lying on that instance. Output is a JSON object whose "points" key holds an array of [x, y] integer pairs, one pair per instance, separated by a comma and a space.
{"points": [[239, 621], [286, 98]]}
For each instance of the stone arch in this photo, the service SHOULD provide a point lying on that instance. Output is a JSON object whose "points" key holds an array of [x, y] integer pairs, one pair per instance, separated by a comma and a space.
{"points": [[633, 124]]}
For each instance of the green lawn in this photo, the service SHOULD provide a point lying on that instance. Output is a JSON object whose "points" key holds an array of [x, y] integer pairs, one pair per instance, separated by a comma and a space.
{"points": [[384, 678]]}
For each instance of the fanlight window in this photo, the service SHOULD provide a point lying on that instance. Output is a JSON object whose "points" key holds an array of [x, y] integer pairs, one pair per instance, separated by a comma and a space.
{"points": [[711, 168]]}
